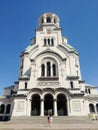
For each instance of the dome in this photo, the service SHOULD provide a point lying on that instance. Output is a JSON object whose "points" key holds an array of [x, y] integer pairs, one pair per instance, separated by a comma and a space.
{"points": [[49, 18]]}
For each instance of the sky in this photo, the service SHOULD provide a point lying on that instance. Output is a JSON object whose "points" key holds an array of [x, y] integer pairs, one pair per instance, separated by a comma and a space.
{"points": [[19, 19]]}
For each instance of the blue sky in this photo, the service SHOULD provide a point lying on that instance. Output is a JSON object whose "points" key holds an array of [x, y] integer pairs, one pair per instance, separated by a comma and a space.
{"points": [[19, 19]]}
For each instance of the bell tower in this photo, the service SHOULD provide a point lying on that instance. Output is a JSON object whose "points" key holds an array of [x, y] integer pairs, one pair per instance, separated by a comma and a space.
{"points": [[49, 19], [48, 33]]}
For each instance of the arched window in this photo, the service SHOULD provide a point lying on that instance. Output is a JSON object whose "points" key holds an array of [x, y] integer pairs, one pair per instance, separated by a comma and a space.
{"points": [[48, 20], [8, 107], [89, 91], [42, 20], [91, 108], [48, 41], [48, 69], [52, 42], [54, 20], [26, 85], [42, 70], [2, 108], [71, 84], [54, 70], [45, 42], [11, 92]]}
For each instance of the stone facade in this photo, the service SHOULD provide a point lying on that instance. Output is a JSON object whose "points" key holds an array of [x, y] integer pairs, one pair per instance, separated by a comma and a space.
{"points": [[49, 78]]}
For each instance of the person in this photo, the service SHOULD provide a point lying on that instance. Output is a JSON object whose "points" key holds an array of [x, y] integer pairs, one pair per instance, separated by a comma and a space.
{"points": [[51, 119], [48, 119]]}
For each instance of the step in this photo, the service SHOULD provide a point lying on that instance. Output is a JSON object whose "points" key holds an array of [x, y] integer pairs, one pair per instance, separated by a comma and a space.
{"points": [[59, 123], [56, 120]]}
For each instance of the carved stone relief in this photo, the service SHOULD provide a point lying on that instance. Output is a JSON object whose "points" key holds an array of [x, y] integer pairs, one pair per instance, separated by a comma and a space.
{"points": [[20, 106], [76, 106], [48, 83]]}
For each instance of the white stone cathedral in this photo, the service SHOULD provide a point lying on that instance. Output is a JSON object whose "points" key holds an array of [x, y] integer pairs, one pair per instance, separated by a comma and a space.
{"points": [[49, 78]]}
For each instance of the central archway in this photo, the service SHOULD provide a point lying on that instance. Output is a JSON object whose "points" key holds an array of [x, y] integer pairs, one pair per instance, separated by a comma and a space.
{"points": [[48, 104], [62, 105], [35, 105]]}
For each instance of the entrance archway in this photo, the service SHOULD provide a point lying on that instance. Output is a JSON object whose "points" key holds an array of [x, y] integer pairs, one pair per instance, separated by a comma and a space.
{"points": [[48, 104], [91, 108], [35, 105], [62, 105], [97, 107]]}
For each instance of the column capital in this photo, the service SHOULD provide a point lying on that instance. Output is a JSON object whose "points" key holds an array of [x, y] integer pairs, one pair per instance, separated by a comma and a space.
{"points": [[29, 100], [55, 99], [41, 99]]}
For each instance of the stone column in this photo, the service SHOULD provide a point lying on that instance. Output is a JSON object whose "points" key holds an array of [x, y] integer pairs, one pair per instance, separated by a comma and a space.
{"points": [[68, 106], [42, 107], [5, 108], [45, 70], [45, 20], [95, 108], [28, 107], [55, 107], [51, 69]]}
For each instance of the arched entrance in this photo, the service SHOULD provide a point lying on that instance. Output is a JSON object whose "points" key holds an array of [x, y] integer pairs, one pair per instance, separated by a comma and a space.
{"points": [[2, 109], [62, 105], [48, 104], [91, 108], [8, 107], [97, 107], [35, 105]]}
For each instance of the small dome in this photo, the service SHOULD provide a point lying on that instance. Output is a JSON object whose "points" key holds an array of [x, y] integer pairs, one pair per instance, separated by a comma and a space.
{"points": [[49, 18]]}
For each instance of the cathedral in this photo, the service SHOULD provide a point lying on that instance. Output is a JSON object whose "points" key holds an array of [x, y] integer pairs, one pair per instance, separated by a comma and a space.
{"points": [[49, 78]]}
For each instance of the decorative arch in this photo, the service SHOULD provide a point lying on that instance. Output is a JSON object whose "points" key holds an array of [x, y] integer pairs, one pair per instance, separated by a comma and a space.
{"points": [[34, 91], [49, 67], [48, 53], [48, 91], [62, 91]]}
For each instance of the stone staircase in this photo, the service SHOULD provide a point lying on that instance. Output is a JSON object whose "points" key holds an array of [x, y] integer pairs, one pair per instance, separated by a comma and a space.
{"points": [[32, 119], [41, 123], [56, 120]]}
